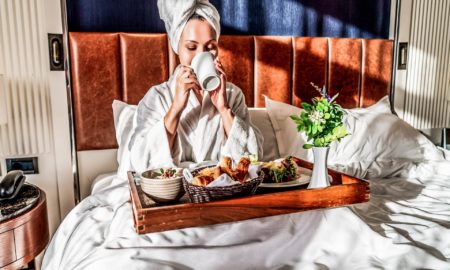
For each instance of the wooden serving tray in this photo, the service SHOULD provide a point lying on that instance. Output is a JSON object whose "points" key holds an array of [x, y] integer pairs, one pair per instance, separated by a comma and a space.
{"points": [[152, 217]]}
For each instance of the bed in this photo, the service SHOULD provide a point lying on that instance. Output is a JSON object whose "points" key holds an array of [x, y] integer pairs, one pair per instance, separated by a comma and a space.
{"points": [[404, 226]]}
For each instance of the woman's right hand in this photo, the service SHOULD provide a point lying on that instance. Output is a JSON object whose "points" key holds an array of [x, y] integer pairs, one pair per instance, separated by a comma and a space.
{"points": [[185, 81]]}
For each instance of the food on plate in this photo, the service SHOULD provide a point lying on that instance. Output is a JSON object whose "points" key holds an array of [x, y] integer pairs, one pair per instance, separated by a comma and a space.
{"points": [[207, 175], [166, 173], [279, 171]]}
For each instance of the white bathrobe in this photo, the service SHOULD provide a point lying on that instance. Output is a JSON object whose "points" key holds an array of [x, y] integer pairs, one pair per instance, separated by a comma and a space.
{"points": [[200, 133]]}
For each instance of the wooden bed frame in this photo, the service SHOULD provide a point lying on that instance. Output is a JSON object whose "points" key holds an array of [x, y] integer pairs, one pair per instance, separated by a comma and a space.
{"points": [[123, 66]]}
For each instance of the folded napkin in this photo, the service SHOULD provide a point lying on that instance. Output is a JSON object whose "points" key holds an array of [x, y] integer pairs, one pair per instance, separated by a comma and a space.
{"points": [[254, 170], [222, 181]]}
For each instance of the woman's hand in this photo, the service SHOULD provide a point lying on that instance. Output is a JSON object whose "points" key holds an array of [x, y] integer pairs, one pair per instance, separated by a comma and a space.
{"points": [[219, 96], [186, 80], [220, 101]]}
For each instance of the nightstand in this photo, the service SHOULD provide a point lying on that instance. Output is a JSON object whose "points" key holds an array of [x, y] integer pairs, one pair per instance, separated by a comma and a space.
{"points": [[23, 237]]}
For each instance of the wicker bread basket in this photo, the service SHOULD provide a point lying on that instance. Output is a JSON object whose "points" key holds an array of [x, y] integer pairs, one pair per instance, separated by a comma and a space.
{"points": [[198, 194]]}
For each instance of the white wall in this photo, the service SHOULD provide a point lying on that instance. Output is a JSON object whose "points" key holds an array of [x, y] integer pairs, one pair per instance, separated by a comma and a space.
{"points": [[55, 176], [61, 166], [400, 76]]}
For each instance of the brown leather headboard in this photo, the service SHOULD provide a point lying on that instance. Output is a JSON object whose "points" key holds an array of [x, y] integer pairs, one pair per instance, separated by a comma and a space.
{"points": [[108, 66]]}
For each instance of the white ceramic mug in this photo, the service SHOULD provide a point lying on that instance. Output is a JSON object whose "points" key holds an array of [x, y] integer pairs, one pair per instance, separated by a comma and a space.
{"points": [[205, 69]]}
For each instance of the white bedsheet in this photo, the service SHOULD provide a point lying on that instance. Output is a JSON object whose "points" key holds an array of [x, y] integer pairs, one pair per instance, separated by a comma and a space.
{"points": [[404, 226]]}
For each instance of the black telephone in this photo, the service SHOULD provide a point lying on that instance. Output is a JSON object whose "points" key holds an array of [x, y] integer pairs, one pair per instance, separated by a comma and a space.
{"points": [[11, 184]]}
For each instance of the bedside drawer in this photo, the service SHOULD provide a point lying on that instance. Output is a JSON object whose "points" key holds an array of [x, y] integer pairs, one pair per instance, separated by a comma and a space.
{"points": [[7, 248], [32, 237], [23, 237]]}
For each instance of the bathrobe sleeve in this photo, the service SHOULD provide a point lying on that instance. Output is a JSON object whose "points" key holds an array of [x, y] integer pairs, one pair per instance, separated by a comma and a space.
{"points": [[149, 146], [244, 137]]}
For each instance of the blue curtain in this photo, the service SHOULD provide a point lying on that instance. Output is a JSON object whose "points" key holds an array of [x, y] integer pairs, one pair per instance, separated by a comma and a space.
{"points": [[333, 18]]}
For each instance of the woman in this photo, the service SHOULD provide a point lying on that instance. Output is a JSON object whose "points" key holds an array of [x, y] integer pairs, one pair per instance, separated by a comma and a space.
{"points": [[177, 122]]}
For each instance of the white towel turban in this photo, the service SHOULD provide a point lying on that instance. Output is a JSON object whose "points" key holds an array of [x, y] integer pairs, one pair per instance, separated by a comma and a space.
{"points": [[176, 13]]}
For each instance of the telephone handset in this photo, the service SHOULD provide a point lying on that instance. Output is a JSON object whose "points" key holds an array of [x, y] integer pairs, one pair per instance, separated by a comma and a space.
{"points": [[11, 184]]}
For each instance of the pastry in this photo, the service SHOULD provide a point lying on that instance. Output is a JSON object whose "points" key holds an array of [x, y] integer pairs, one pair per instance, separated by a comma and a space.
{"points": [[202, 180], [207, 175]]}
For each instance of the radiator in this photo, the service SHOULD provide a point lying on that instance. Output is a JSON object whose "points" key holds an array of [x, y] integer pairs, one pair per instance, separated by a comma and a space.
{"points": [[427, 92], [25, 121]]}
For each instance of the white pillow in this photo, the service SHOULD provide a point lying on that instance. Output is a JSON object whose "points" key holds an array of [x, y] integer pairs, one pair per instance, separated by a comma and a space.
{"points": [[124, 123], [377, 134], [290, 142], [260, 118], [379, 138]]}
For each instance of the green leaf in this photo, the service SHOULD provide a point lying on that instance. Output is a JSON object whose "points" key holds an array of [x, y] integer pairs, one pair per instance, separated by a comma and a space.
{"points": [[340, 131], [306, 106], [326, 116], [317, 142], [320, 106], [307, 146]]}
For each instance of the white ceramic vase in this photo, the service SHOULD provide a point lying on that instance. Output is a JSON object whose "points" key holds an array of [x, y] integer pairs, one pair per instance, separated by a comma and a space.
{"points": [[319, 178]]}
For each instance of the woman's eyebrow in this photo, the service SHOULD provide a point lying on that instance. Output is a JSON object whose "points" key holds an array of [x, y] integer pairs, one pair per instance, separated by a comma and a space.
{"points": [[193, 41]]}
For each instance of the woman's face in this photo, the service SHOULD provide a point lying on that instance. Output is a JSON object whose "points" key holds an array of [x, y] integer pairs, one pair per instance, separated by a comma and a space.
{"points": [[198, 36]]}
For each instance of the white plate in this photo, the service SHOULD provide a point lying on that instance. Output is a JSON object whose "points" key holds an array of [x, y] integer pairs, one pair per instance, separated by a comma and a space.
{"points": [[302, 180], [305, 177]]}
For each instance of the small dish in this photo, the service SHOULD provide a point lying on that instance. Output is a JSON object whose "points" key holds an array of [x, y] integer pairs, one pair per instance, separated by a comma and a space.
{"points": [[302, 180], [160, 189]]}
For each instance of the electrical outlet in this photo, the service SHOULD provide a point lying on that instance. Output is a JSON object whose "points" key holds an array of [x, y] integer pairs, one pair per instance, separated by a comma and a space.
{"points": [[28, 165]]}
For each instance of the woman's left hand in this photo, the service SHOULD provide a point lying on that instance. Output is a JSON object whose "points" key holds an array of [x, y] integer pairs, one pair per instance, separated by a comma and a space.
{"points": [[219, 96]]}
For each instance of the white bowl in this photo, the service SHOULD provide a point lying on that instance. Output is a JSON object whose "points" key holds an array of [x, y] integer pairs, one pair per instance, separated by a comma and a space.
{"points": [[162, 190]]}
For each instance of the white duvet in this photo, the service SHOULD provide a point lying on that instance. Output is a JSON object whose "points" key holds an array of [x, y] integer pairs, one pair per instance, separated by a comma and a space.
{"points": [[404, 226]]}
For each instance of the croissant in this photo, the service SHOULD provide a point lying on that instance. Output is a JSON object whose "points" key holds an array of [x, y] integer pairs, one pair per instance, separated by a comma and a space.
{"points": [[226, 163], [202, 180], [231, 173], [208, 175], [207, 172], [243, 164], [242, 169]]}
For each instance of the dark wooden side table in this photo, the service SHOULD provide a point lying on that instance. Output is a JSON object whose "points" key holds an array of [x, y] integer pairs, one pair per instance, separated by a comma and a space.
{"points": [[22, 238]]}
